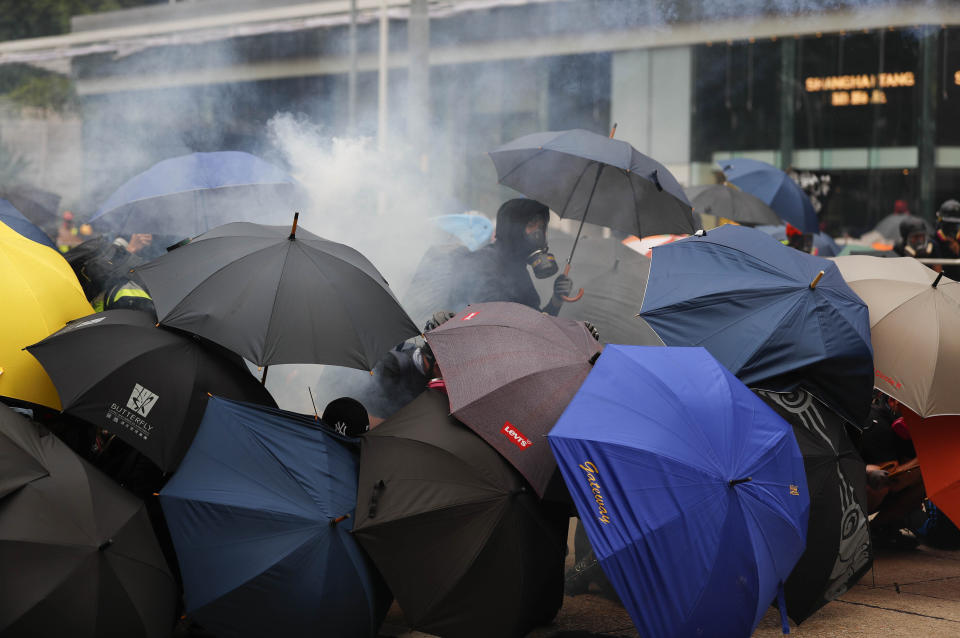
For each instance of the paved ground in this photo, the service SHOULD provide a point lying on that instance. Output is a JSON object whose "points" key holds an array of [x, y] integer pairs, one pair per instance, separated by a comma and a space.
{"points": [[910, 593]]}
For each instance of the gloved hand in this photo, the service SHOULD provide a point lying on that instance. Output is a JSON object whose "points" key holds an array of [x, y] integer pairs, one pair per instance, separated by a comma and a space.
{"points": [[592, 329], [562, 286]]}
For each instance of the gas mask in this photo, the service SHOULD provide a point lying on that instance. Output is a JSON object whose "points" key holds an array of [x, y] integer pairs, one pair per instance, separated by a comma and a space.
{"points": [[540, 258], [544, 264]]}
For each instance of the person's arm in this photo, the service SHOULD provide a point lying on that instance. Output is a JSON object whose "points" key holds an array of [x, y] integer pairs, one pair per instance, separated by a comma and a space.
{"points": [[562, 286]]}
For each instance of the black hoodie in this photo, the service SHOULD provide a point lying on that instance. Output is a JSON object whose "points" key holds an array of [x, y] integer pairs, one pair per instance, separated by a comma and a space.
{"points": [[498, 271]]}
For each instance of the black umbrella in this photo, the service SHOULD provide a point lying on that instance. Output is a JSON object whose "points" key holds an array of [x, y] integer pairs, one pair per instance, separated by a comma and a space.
{"points": [[17, 468], [77, 554], [838, 551], [461, 541], [147, 385], [274, 296], [731, 203], [582, 175]]}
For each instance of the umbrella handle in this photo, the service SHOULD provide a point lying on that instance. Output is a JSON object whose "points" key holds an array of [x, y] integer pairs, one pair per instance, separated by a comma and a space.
{"points": [[566, 271]]}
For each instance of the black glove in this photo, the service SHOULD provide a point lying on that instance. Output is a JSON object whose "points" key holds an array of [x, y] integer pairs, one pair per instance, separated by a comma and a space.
{"points": [[562, 286], [592, 329]]}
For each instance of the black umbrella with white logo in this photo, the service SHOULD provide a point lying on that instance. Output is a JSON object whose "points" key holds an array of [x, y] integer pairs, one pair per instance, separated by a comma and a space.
{"points": [[148, 385]]}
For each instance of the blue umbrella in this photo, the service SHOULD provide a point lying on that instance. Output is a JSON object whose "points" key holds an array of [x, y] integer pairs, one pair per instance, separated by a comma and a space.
{"points": [[823, 242], [259, 512], [692, 491], [775, 188], [13, 218], [766, 313], [190, 194]]}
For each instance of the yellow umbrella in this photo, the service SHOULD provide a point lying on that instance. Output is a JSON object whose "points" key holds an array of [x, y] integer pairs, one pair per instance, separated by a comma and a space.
{"points": [[39, 294]]}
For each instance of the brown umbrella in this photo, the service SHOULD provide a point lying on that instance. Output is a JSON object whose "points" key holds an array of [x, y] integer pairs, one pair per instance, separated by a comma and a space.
{"points": [[914, 320], [510, 372]]}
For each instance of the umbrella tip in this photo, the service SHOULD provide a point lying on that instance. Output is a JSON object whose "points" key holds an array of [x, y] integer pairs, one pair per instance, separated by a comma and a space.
{"points": [[700, 233], [293, 230], [816, 280], [613, 130], [339, 519], [739, 481], [937, 280], [104, 545], [593, 359]]}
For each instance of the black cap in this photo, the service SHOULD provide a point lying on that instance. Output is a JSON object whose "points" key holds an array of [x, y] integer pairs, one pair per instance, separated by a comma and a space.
{"points": [[347, 416]]}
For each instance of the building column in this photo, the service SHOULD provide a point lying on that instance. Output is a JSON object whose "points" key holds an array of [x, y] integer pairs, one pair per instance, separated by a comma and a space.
{"points": [[788, 99], [651, 95], [927, 122]]}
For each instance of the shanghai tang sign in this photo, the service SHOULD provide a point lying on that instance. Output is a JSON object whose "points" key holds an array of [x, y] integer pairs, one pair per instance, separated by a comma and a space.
{"points": [[859, 89]]}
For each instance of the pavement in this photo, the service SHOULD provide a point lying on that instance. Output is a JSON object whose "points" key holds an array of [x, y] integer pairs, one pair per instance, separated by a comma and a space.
{"points": [[912, 593]]}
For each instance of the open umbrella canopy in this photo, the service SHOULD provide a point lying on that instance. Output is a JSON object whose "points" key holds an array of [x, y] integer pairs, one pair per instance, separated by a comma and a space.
{"points": [[765, 312], [610, 300], [78, 556], [937, 441], [260, 512], [914, 316], [13, 218], [775, 188], [191, 194], [510, 371], [731, 203], [36, 204], [573, 171], [889, 226], [273, 296], [17, 466], [838, 551], [148, 385], [39, 294], [463, 544], [691, 490]]}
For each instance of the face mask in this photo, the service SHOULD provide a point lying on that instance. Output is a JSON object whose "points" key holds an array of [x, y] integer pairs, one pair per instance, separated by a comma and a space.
{"points": [[544, 264]]}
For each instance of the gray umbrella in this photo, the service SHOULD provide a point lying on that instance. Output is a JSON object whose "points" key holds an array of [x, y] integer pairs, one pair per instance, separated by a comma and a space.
{"points": [[889, 226], [585, 176], [732, 203], [274, 296], [613, 294]]}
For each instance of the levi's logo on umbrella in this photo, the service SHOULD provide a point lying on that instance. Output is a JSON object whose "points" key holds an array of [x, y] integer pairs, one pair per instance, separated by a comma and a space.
{"points": [[515, 436]]}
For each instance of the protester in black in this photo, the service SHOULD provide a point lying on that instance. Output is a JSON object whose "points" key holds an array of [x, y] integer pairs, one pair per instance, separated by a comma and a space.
{"points": [[498, 271]]}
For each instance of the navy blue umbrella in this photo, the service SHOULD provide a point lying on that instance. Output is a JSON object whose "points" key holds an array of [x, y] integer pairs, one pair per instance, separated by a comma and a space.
{"points": [[773, 187], [824, 244], [774, 316], [691, 490], [190, 194], [13, 218], [260, 512]]}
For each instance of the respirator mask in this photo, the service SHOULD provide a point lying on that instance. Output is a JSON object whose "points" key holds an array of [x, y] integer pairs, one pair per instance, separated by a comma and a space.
{"points": [[540, 258]]}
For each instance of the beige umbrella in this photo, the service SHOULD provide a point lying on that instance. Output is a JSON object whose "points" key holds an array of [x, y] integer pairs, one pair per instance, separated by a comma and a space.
{"points": [[914, 327]]}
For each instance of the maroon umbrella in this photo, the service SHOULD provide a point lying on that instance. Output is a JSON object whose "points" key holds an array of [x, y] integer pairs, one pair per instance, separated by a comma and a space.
{"points": [[510, 372]]}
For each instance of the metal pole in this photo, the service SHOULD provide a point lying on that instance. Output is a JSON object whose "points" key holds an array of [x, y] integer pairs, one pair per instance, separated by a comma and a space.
{"points": [[788, 105], [418, 82], [352, 76], [382, 85], [927, 123]]}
